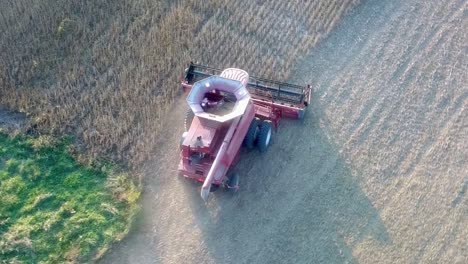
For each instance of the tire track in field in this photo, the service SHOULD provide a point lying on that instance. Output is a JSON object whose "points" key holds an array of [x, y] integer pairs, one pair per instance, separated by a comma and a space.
{"points": [[424, 192], [376, 107], [425, 116], [387, 117], [367, 61], [387, 120], [335, 56], [458, 107], [398, 72], [409, 143], [443, 132], [384, 121], [381, 96]]}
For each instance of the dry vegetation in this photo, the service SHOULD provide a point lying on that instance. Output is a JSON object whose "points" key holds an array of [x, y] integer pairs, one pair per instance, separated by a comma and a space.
{"points": [[107, 70]]}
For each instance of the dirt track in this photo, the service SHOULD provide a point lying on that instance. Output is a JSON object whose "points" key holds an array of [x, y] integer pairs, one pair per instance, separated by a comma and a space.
{"points": [[377, 173], [10, 120]]}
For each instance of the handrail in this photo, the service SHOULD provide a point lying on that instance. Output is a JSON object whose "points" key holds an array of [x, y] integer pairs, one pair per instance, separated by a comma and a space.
{"points": [[281, 91]]}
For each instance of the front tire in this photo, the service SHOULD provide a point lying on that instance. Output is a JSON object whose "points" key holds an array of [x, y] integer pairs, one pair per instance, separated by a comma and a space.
{"points": [[264, 136], [251, 136]]}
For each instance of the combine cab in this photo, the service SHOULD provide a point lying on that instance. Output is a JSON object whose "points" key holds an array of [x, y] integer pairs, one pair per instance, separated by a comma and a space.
{"points": [[229, 109]]}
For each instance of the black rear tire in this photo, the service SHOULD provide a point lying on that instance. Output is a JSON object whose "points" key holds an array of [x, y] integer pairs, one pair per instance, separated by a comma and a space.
{"points": [[189, 115], [251, 136], [184, 180], [264, 136], [233, 182], [214, 187]]}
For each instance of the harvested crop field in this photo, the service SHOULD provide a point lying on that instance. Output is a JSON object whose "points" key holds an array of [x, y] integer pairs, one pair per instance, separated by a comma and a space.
{"points": [[377, 173]]}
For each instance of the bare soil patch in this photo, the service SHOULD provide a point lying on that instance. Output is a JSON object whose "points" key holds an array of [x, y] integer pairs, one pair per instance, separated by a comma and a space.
{"points": [[11, 120]]}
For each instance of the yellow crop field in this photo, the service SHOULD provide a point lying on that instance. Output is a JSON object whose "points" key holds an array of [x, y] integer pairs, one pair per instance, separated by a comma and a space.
{"points": [[107, 71]]}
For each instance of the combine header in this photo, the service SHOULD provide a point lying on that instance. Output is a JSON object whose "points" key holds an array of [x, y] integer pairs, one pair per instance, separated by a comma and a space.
{"points": [[229, 108]]}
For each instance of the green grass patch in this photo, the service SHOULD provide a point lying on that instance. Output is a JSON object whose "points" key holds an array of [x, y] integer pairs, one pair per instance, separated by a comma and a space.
{"points": [[55, 210]]}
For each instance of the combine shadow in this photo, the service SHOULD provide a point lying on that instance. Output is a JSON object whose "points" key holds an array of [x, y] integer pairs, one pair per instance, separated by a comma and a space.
{"points": [[299, 203]]}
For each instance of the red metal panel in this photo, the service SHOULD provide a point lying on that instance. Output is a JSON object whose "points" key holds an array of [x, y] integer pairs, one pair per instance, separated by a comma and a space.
{"points": [[239, 135], [290, 111], [206, 130]]}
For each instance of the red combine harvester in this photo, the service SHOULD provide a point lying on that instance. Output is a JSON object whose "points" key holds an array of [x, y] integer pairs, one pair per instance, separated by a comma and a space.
{"points": [[227, 109]]}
